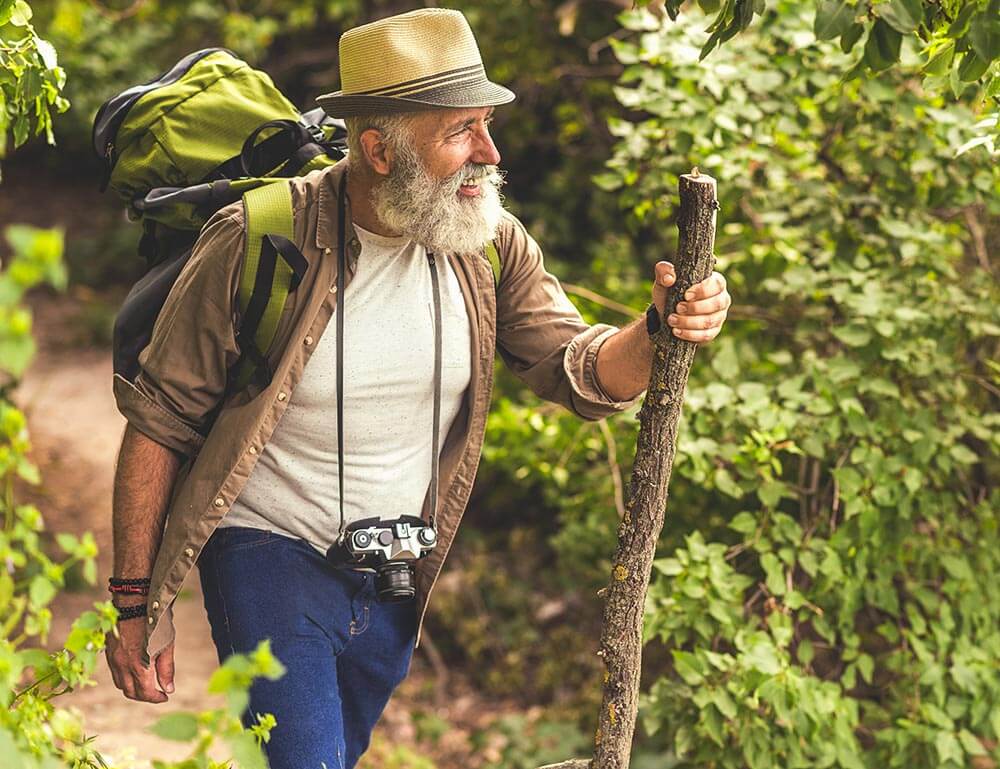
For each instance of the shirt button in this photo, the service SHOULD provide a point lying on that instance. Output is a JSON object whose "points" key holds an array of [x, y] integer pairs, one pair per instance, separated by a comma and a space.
{"points": [[308, 340], [219, 502], [156, 604], [326, 251], [253, 449], [188, 552], [333, 289], [150, 620], [282, 396]]}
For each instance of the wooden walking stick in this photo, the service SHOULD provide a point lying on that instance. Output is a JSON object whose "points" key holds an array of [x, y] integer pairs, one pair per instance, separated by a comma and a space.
{"points": [[625, 596]]}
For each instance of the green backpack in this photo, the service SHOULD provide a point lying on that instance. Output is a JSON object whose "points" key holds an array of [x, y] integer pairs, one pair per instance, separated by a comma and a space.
{"points": [[207, 132]]}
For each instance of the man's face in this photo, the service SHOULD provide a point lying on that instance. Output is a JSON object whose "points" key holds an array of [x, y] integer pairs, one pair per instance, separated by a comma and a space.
{"points": [[442, 188], [446, 140]]}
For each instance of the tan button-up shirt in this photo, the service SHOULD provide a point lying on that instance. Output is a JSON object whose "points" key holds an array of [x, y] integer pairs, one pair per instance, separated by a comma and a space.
{"points": [[179, 397]]}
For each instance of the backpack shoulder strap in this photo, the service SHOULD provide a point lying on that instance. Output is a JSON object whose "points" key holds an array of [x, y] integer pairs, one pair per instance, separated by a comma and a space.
{"points": [[265, 279], [494, 256]]}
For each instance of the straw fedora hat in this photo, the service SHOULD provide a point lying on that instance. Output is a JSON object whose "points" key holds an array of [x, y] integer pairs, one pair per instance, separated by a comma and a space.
{"points": [[420, 60]]}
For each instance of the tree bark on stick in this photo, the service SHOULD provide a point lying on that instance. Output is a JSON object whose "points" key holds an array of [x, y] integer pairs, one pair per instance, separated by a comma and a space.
{"points": [[625, 596]]}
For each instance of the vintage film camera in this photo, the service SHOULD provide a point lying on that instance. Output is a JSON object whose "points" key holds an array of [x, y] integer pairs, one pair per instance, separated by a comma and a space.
{"points": [[389, 548]]}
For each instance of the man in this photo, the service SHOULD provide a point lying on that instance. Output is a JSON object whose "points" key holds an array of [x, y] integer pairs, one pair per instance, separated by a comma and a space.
{"points": [[252, 479]]}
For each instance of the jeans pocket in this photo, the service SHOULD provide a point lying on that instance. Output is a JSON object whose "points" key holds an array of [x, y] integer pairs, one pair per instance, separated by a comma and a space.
{"points": [[231, 539]]}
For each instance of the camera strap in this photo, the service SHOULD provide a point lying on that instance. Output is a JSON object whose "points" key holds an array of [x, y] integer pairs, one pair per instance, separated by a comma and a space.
{"points": [[341, 282]]}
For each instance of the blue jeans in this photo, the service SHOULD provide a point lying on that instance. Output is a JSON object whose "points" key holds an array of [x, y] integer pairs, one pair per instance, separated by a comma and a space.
{"points": [[344, 651]]}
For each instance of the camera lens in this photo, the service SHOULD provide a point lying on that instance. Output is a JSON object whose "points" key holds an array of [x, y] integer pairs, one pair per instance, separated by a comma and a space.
{"points": [[394, 582]]}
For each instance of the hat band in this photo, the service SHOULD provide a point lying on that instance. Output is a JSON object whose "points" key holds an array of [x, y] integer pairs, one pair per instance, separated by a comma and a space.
{"points": [[454, 76]]}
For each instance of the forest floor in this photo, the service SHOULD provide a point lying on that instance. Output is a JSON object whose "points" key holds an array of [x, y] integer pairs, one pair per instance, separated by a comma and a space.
{"points": [[75, 432]]}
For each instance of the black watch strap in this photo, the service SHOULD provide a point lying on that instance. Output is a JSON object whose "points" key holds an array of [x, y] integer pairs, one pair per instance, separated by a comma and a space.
{"points": [[652, 319]]}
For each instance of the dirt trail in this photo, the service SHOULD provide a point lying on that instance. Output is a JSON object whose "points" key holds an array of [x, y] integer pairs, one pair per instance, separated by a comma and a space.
{"points": [[75, 433]]}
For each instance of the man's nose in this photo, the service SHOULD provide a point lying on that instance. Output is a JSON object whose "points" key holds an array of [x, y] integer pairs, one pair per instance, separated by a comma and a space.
{"points": [[486, 151]]}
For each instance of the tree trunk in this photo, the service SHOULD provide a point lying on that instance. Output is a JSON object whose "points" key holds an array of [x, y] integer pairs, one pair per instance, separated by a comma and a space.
{"points": [[621, 639]]}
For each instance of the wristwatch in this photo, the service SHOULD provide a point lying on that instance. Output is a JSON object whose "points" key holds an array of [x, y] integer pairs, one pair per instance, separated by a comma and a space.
{"points": [[652, 320]]}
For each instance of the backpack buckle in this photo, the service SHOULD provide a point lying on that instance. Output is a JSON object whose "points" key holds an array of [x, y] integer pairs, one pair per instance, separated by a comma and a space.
{"points": [[315, 132]]}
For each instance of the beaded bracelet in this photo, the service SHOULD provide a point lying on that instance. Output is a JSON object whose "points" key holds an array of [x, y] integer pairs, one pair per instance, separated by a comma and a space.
{"points": [[131, 612], [129, 586]]}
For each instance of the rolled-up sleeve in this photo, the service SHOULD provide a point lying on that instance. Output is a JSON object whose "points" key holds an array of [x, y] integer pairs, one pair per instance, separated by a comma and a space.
{"points": [[541, 336], [183, 369]]}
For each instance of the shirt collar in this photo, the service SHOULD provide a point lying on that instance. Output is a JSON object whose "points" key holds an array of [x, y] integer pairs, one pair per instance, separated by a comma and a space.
{"points": [[326, 225]]}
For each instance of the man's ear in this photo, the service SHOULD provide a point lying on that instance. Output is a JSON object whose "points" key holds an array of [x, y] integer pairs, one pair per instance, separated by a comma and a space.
{"points": [[377, 152]]}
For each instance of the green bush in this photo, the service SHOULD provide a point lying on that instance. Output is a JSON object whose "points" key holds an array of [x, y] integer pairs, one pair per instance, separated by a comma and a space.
{"points": [[34, 731], [833, 601]]}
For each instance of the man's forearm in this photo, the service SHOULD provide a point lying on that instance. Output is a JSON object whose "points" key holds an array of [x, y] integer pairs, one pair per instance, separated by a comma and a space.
{"points": [[143, 481], [625, 361]]}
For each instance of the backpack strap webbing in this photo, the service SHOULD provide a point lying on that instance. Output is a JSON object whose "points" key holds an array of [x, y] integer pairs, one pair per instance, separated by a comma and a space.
{"points": [[265, 279], [493, 255]]}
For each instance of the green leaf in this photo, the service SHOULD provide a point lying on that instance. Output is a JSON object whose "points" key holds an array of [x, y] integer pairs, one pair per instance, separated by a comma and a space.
{"points": [[948, 748], [21, 14], [903, 15], [805, 651], [771, 492], [882, 48], [940, 63], [724, 482], [984, 35], [833, 19], [971, 744], [850, 480], [850, 37], [775, 573], [6, 591], [763, 656], [607, 181], [961, 23], [744, 523], [866, 667], [245, 751], [972, 67], [688, 667], [669, 566], [181, 727], [10, 756], [724, 702], [41, 591], [963, 454], [853, 336], [682, 740]]}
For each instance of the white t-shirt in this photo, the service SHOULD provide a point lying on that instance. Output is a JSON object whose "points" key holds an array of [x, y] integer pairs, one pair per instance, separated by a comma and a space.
{"points": [[388, 402]]}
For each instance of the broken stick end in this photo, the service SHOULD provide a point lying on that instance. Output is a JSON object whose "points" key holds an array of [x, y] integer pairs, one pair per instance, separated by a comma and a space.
{"points": [[575, 763], [697, 177]]}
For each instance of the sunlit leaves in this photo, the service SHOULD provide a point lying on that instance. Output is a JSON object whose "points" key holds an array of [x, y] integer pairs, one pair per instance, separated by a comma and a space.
{"points": [[843, 415], [31, 80]]}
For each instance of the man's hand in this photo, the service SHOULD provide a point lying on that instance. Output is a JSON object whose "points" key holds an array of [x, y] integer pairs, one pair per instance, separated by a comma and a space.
{"points": [[137, 681], [700, 316]]}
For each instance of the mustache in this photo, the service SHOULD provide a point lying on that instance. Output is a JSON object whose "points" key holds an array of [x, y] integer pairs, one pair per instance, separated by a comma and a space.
{"points": [[475, 172]]}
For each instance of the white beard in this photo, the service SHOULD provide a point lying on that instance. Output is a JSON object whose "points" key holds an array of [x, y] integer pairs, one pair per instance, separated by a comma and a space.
{"points": [[431, 211]]}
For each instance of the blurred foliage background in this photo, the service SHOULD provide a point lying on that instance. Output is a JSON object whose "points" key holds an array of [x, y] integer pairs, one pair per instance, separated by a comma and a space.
{"points": [[826, 593]]}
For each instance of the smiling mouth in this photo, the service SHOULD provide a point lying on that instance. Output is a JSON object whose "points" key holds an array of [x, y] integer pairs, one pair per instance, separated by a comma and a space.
{"points": [[470, 189]]}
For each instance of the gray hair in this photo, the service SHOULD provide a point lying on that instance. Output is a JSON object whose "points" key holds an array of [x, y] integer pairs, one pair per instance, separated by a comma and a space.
{"points": [[395, 130]]}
